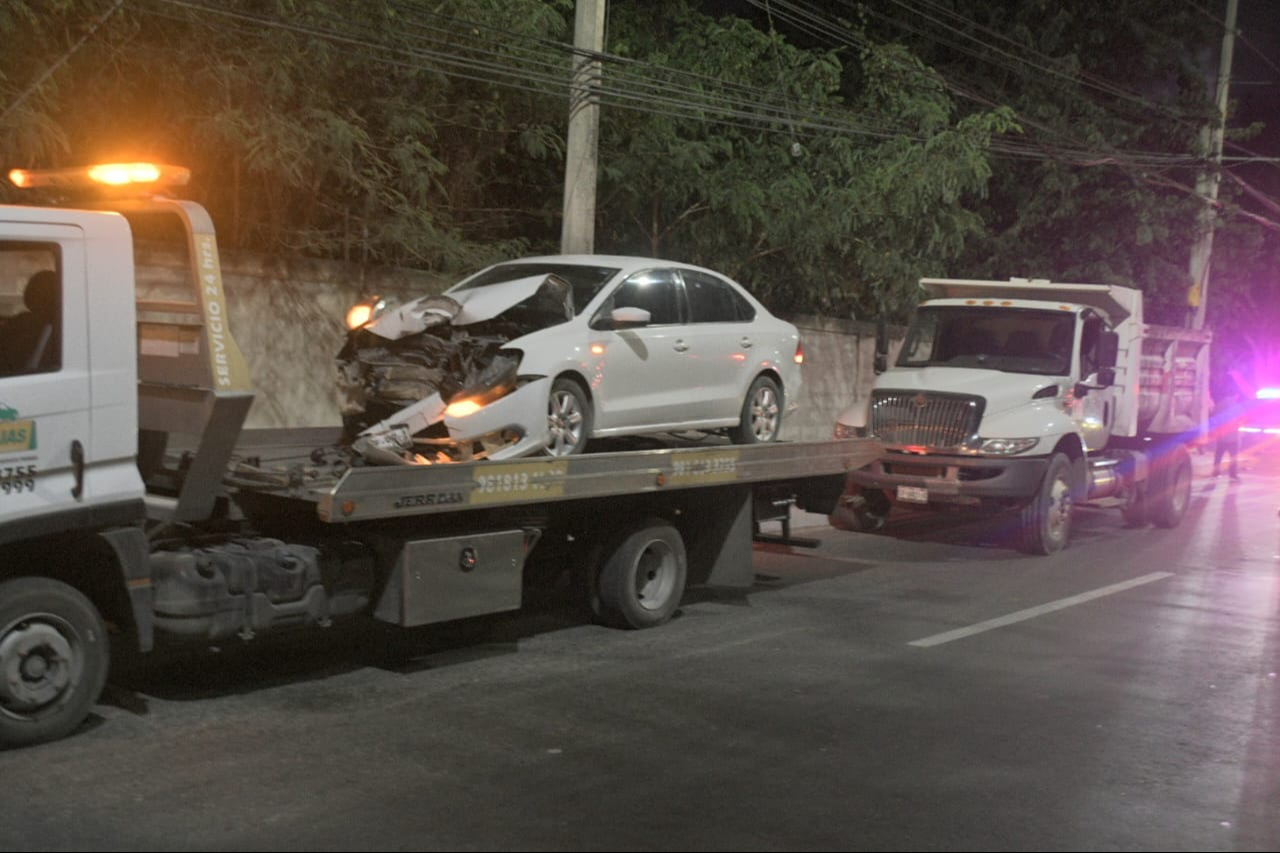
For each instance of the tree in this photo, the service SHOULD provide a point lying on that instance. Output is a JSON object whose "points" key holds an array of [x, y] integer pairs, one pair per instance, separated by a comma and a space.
{"points": [[1112, 96], [311, 126], [838, 204]]}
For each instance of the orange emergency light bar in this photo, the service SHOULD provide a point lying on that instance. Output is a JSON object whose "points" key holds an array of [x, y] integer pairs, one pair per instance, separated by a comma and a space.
{"points": [[152, 175]]}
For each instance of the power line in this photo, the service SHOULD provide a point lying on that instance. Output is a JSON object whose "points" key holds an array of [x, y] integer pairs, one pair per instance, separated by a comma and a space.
{"points": [[1073, 150], [1074, 155], [1239, 34], [642, 87]]}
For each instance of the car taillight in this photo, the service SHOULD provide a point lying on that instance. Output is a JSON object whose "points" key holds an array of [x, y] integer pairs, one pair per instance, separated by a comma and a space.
{"points": [[799, 356]]}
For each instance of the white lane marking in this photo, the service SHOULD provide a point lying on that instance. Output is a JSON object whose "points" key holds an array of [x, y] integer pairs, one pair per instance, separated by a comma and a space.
{"points": [[1032, 612]]}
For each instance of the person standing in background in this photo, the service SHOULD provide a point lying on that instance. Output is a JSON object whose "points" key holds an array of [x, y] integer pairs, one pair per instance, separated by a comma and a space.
{"points": [[1226, 426]]}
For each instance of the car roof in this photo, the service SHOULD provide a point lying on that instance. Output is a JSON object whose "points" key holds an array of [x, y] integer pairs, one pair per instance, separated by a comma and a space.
{"points": [[623, 262]]}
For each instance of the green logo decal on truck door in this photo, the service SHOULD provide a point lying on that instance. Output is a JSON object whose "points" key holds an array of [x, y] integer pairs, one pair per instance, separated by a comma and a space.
{"points": [[15, 435]]}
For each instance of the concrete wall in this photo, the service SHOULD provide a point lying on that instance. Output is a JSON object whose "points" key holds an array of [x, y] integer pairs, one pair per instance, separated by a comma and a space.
{"points": [[287, 316], [839, 356]]}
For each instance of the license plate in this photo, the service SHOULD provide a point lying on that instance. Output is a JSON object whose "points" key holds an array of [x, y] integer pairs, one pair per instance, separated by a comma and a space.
{"points": [[913, 494]]}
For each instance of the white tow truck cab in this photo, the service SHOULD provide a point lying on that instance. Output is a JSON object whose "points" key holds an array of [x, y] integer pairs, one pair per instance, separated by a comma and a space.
{"points": [[1030, 397], [135, 509]]}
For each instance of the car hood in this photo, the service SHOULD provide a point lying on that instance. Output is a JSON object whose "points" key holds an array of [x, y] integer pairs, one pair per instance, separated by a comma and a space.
{"points": [[1001, 390], [542, 300]]}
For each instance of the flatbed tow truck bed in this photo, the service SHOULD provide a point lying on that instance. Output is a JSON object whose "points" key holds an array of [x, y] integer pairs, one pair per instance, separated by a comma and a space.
{"points": [[282, 466]]}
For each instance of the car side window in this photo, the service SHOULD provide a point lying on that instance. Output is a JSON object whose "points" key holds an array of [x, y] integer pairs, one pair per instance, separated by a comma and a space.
{"points": [[714, 300], [656, 291], [30, 309]]}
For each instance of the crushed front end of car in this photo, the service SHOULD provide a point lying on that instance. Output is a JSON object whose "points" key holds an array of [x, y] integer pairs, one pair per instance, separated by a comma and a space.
{"points": [[436, 380]]}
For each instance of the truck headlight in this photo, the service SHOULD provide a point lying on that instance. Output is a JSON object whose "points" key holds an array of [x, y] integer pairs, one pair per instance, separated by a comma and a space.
{"points": [[1007, 446], [844, 430]]}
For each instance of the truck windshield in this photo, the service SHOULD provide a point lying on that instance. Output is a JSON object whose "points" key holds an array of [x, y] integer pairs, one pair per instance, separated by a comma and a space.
{"points": [[1014, 340]]}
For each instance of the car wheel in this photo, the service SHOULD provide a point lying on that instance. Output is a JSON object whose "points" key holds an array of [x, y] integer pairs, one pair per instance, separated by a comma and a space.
{"points": [[53, 660], [761, 413], [568, 418]]}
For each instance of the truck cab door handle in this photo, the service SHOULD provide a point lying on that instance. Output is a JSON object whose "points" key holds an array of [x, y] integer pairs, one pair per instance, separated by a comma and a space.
{"points": [[680, 346]]}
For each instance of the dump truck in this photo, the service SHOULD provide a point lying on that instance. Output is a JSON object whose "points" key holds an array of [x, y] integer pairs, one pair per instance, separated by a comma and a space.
{"points": [[1027, 398]]}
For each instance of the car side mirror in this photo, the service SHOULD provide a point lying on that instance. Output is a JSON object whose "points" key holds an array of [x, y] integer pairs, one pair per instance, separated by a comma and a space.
{"points": [[621, 318]]}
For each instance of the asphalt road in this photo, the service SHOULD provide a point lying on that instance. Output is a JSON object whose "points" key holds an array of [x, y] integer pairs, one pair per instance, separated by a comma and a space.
{"points": [[937, 694]]}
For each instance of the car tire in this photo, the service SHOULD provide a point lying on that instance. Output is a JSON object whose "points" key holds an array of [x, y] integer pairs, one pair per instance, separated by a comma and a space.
{"points": [[761, 416], [1045, 521], [53, 660], [568, 418], [642, 581]]}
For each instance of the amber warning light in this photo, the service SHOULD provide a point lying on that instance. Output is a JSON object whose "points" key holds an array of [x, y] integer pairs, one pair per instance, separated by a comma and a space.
{"points": [[150, 175]]}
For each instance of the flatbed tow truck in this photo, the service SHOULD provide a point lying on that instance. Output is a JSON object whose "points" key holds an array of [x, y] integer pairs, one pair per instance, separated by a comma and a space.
{"points": [[135, 509]]}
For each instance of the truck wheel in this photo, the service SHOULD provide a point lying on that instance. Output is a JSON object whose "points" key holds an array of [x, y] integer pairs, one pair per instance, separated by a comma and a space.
{"points": [[568, 418], [1135, 511], [642, 581], [1045, 521], [53, 660], [761, 414], [1171, 489]]}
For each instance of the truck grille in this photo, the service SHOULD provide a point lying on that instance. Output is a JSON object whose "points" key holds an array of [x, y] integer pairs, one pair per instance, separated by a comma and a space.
{"points": [[924, 419]]}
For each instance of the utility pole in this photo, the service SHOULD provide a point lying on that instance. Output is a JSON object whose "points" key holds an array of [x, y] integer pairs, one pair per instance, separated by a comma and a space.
{"points": [[1209, 180], [577, 234]]}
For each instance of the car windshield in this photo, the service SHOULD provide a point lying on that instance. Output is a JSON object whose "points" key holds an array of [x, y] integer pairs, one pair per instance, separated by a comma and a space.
{"points": [[586, 280], [1014, 340]]}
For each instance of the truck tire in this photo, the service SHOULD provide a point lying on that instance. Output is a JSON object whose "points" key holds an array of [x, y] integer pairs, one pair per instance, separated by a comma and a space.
{"points": [[761, 414], [53, 660], [1170, 493], [1135, 511], [642, 581], [1045, 521]]}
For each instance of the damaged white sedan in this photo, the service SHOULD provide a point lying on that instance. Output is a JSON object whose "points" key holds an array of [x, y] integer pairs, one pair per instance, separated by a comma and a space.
{"points": [[539, 355]]}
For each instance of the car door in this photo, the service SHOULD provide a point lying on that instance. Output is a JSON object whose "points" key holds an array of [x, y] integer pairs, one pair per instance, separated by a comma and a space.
{"points": [[721, 340], [44, 377], [641, 378]]}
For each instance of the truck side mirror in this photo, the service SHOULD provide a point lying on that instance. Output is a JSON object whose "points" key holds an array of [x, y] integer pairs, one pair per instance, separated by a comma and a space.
{"points": [[882, 346], [1108, 352]]}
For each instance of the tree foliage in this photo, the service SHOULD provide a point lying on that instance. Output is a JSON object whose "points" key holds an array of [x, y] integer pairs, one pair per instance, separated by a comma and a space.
{"points": [[311, 126], [811, 218], [1113, 97], [973, 138]]}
